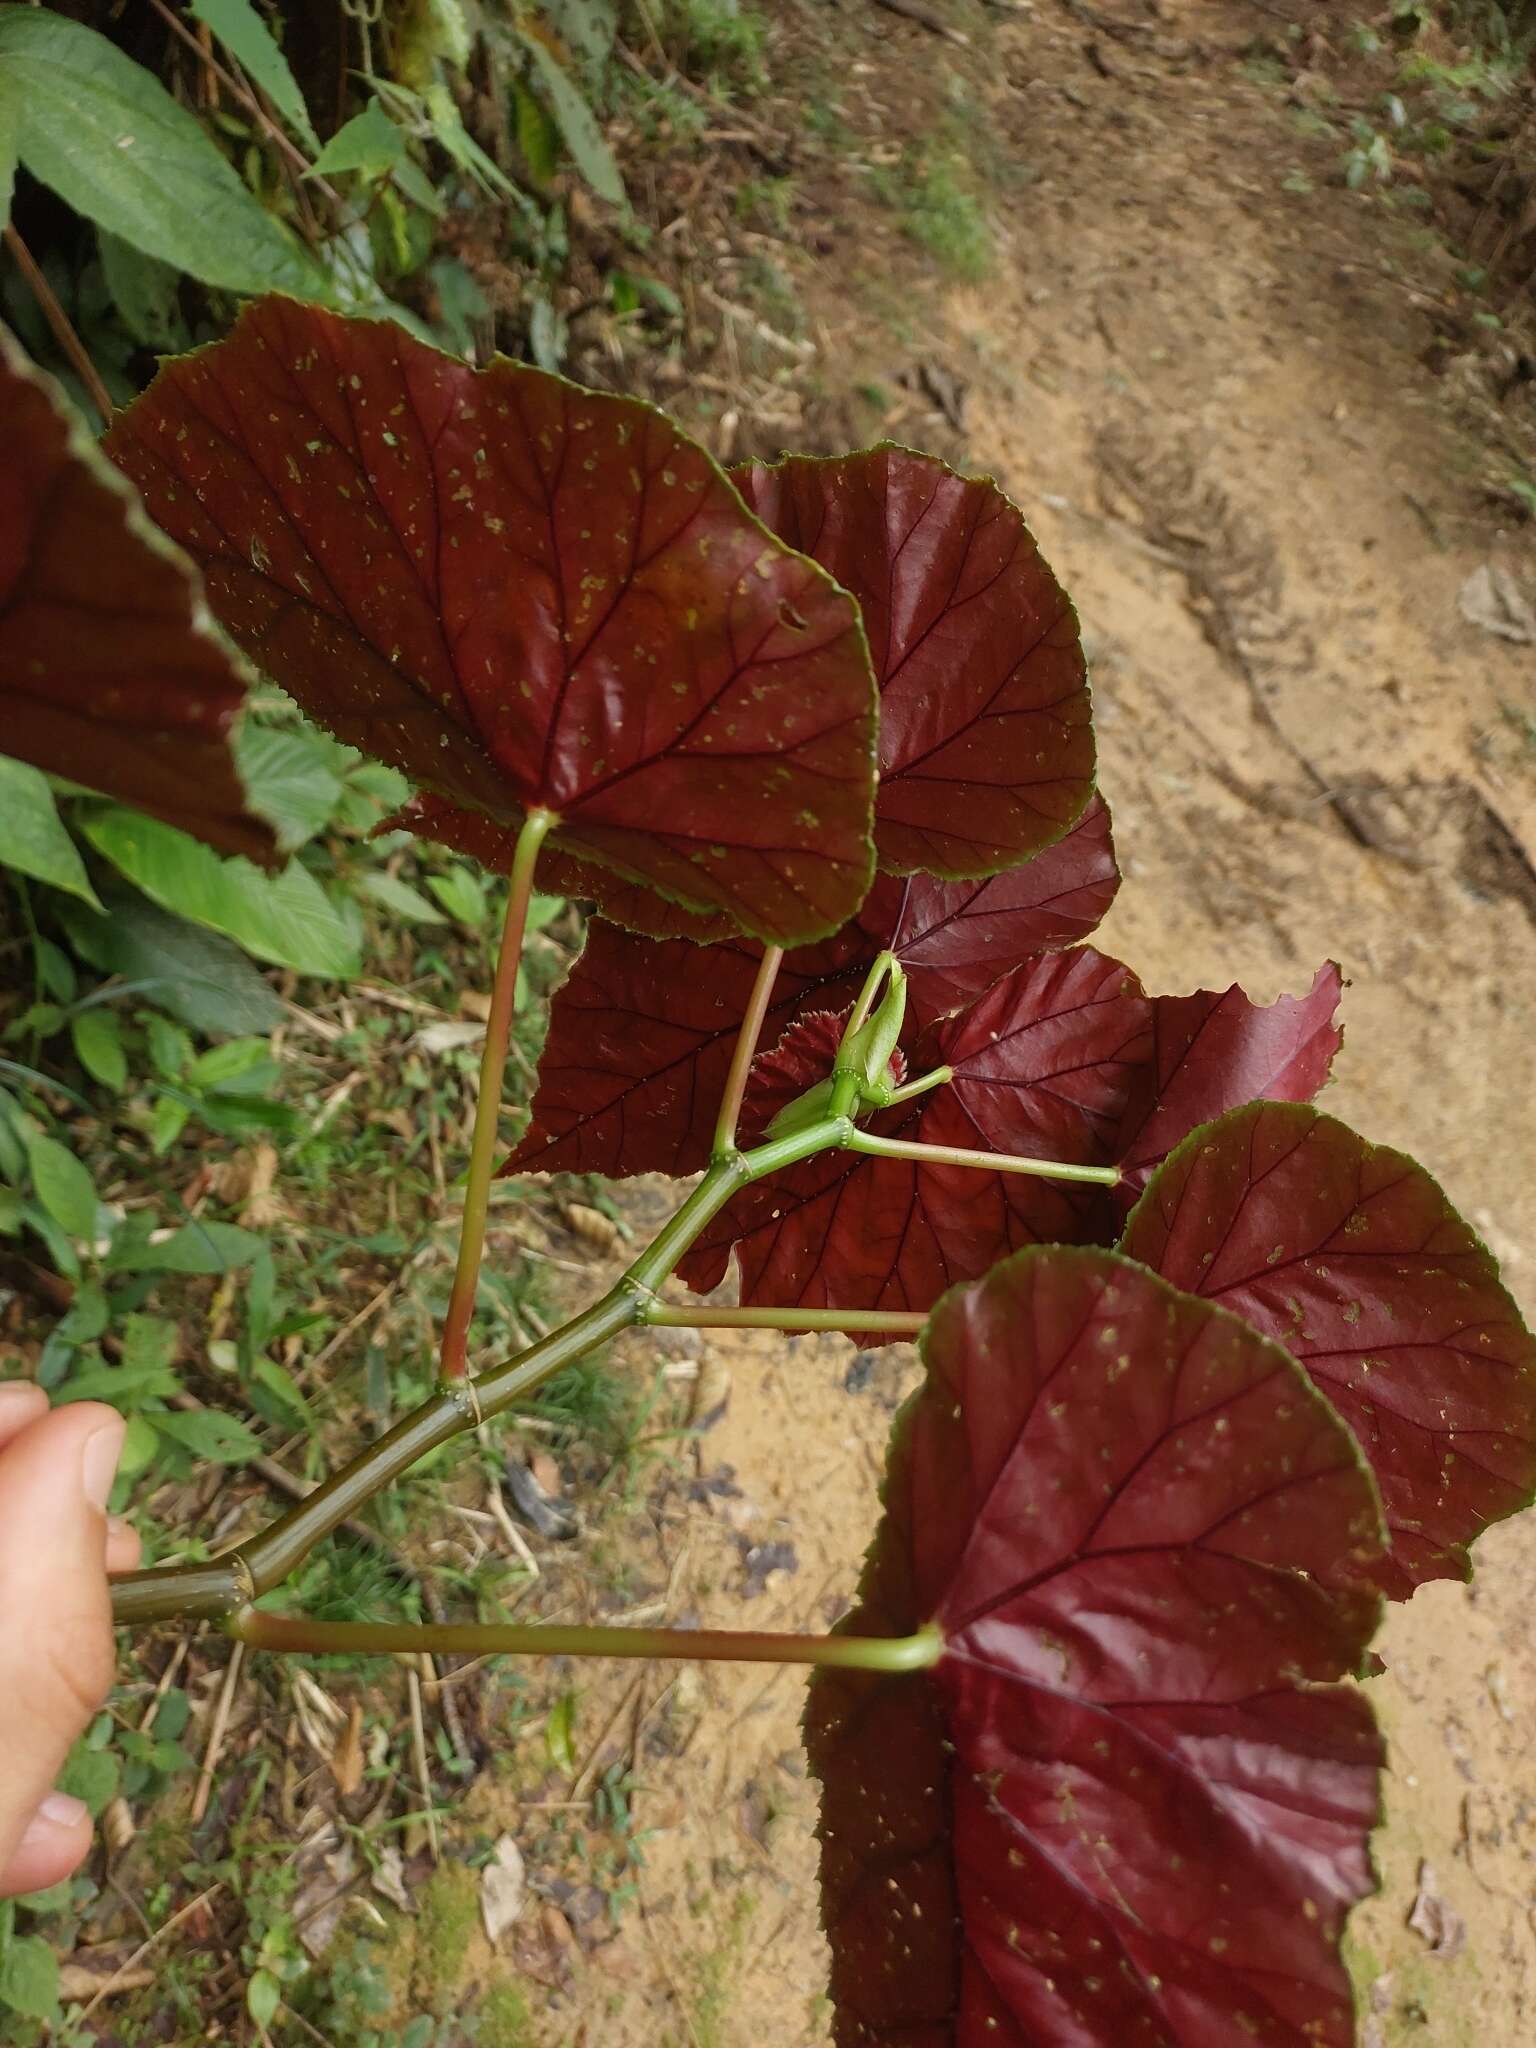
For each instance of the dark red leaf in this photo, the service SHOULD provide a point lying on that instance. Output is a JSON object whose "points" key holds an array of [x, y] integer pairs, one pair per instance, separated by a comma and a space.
{"points": [[986, 744], [524, 594], [1128, 1808], [640, 1037], [108, 672], [1213, 1052], [1351, 1256], [640, 1041], [1041, 1067]]}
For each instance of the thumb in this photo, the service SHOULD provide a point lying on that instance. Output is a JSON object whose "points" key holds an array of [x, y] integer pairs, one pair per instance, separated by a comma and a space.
{"points": [[55, 1630]]}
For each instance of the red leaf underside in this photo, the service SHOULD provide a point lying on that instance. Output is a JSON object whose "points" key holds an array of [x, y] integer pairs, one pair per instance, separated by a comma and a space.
{"points": [[986, 741], [1212, 1052], [1129, 1808], [640, 1036], [1352, 1257], [525, 594], [108, 674]]}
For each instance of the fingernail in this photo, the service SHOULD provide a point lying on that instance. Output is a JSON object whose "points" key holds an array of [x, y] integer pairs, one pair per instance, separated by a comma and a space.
{"points": [[17, 1394], [103, 1448], [118, 1525], [58, 1814]]}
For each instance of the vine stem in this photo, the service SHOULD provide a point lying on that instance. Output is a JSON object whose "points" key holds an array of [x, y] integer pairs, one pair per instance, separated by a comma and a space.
{"points": [[63, 328], [746, 1048], [262, 1631], [988, 1162], [223, 1585], [482, 1154], [892, 1322]]}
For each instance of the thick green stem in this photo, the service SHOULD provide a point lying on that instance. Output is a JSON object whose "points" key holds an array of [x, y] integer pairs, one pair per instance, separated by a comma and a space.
{"points": [[889, 1322], [226, 1583], [986, 1162], [482, 1155], [539, 1639], [746, 1047]]}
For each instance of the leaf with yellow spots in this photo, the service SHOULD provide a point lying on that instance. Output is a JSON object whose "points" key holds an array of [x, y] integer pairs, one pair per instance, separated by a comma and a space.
{"points": [[524, 594], [1352, 1257], [1129, 1807]]}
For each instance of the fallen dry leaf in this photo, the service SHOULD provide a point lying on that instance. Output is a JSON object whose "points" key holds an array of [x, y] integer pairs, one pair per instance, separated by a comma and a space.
{"points": [[503, 1889], [592, 1226], [389, 1878], [78, 1985], [347, 1756], [1439, 1923]]}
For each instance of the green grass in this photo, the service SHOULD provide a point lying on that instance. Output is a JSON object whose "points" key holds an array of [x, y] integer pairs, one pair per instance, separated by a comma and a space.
{"points": [[934, 193]]}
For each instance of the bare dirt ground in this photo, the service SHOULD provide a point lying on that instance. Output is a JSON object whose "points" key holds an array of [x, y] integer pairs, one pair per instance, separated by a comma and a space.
{"points": [[1209, 397]]}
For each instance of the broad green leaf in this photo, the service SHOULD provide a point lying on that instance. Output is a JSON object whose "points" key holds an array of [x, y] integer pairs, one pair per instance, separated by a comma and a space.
{"points": [[196, 975], [149, 1342], [12, 1213], [460, 895], [222, 1064], [55, 969], [209, 1433], [169, 1046], [90, 1774], [167, 1121], [62, 1185], [98, 1039], [399, 897], [543, 910], [29, 1977], [248, 39], [290, 778], [263, 1996], [282, 1385], [10, 131], [60, 1245], [576, 121], [139, 1447], [369, 144], [285, 918], [86, 1317], [109, 139], [145, 292], [195, 1248], [33, 838]]}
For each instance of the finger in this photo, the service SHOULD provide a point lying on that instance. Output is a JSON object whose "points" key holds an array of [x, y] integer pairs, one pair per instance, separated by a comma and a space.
{"points": [[123, 1546], [54, 1844], [21, 1403], [55, 1622]]}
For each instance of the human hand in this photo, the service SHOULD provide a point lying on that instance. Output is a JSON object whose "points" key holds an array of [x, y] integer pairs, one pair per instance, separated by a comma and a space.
{"points": [[57, 1546]]}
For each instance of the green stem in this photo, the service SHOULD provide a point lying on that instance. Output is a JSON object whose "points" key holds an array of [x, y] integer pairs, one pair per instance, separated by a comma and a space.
{"points": [[746, 1046], [988, 1162], [895, 1322], [539, 1639], [482, 1155], [226, 1583], [867, 994], [921, 1086]]}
